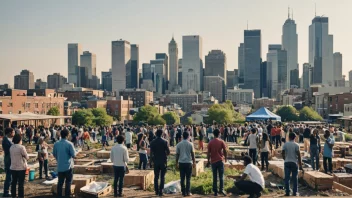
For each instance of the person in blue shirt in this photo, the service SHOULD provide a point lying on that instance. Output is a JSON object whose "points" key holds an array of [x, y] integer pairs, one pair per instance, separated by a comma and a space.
{"points": [[64, 153], [6, 144], [327, 153]]}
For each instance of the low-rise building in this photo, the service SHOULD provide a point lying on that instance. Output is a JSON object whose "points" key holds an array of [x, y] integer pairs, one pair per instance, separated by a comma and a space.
{"points": [[140, 97], [120, 109], [263, 102], [96, 104], [184, 100], [240, 96]]}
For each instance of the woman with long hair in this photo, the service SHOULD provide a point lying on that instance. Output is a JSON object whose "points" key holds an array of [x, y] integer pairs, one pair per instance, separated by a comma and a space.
{"points": [[265, 147]]}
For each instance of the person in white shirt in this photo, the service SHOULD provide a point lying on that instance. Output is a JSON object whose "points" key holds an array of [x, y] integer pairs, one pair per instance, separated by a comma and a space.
{"points": [[255, 185], [253, 144], [128, 135], [119, 158]]}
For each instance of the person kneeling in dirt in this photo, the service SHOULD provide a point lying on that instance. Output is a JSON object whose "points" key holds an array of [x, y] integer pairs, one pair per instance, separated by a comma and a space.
{"points": [[256, 184]]}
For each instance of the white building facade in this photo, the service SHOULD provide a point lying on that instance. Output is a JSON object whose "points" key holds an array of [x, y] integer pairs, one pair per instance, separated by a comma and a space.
{"points": [[120, 60], [240, 96]]}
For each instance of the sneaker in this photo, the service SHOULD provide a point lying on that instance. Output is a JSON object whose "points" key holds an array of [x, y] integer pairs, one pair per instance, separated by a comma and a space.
{"points": [[223, 193], [161, 194], [215, 194], [259, 194], [189, 194]]}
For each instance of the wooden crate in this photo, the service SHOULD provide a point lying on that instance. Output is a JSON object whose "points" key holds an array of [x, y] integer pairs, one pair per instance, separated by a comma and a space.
{"points": [[142, 178], [199, 168], [344, 179], [318, 180], [103, 154], [88, 169], [107, 167], [234, 164], [82, 180], [54, 189], [102, 193], [84, 161], [342, 188]]}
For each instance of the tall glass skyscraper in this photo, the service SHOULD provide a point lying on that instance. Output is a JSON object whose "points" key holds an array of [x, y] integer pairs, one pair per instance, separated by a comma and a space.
{"points": [[73, 58], [120, 60]]}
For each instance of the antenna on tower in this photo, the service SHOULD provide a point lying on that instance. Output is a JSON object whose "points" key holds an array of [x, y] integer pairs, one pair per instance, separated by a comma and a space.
{"points": [[288, 13], [292, 14]]}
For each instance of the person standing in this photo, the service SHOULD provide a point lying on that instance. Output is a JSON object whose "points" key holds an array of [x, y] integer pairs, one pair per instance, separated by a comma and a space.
{"points": [[184, 159], [291, 155], [217, 154], [172, 135], [18, 166], [143, 153], [159, 150], [256, 182], [315, 148], [43, 158], [128, 135], [119, 158], [201, 137], [265, 148], [6, 145], [306, 138], [278, 136], [328, 151], [64, 152], [86, 138], [253, 145]]}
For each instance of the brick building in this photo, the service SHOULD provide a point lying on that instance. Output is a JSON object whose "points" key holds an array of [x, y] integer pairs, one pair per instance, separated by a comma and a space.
{"points": [[337, 102], [77, 96], [140, 97], [119, 108], [96, 104]]}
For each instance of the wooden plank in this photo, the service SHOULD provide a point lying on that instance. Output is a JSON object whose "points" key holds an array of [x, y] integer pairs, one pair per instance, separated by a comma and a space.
{"points": [[342, 188], [103, 154], [142, 178], [107, 167], [343, 178], [199, 168], [82, 180], [318, 180]]}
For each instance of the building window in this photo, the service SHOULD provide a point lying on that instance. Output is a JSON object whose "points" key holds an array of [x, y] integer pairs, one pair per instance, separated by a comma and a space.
{"points": [[36, 105], [0, 103], [10, 104], [28, 105]]}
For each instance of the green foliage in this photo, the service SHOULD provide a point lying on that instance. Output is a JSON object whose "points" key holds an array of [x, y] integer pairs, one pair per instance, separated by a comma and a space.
{"points": [[188, 121], [308, 114], [156, 120], [54, 111], [145, 113], [171, 118], [287, 113], [223, 114], [101, 118], [348, 137], [83, 117]]}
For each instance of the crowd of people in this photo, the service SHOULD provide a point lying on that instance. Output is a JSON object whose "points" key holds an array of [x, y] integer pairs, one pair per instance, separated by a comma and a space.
{"points": [[153, 146]]}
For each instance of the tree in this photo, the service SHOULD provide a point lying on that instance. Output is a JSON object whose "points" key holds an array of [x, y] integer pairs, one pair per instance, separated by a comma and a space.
{"points": [[308, 114], [156, 120], [189, 121], [223, 113], [288, 113], [145, 113], [83, 117], [171, 118], [101, 118], [54, 111]]}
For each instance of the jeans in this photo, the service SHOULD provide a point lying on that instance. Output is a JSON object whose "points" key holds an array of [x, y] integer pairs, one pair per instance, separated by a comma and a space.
{"points": [[329, 159], [7, 182], [218, 168], [249, 187], [67, 175], [45, 164], [291, 167], [185, 172], [143, 159], [264, 156], [278, 140], [314, 155], [159, 170], [253, 155], [119, 174], [172, 141], [18, 177]]}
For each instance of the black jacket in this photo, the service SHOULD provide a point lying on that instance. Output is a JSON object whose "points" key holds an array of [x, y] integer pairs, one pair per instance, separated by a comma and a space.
{"points": [[159, 150]]}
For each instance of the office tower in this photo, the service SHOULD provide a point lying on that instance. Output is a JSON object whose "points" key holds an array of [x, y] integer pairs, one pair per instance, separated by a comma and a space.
{"points": [[241, 63], [216, 86], [289, 41], [192, 65], [173, 55], [180, 72], [294, 76], [321, 51], [55, 81], [306, 76], [25, 80], [81, 77], [89, 61], [276, 71], [338, 80], [232, 78], [106, 80], [132, 78], [74, 52], [350, 77], [252, 60], [158, 69], [166, 62], [215, 64], [39, 84], [120, 60], [147, 71], [263, 80]]}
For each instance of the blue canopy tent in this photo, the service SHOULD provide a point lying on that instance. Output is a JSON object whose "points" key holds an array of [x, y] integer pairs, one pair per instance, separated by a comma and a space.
{"points": [[263, 114]]}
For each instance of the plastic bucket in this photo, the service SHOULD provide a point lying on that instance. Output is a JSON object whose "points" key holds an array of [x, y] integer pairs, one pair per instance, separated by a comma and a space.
{"points": [[31, 175]]}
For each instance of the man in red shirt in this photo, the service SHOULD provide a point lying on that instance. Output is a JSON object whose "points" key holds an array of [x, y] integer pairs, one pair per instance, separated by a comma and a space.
{"points": [[273, 134], [217, 153]]}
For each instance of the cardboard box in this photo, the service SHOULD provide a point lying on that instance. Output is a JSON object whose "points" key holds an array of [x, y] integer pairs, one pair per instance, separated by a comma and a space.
{"points": [[199, 168]]}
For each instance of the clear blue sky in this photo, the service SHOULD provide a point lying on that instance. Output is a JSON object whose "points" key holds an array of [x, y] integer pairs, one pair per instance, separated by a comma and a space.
{"points": [[34, 33]]}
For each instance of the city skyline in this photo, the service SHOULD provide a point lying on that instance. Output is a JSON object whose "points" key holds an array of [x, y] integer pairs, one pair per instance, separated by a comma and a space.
{"points": [[27, 46]]}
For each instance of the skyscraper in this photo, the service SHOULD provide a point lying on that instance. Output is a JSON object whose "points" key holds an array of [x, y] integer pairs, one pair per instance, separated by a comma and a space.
{"points": [[276, 71], [252, 61], [241, 63], [180, 72], [192, 65], [158, 70], [74, 52], [216, 86], [321, 51], [215, 64], [350, 77], [106, 80], [55, 81], [294, 76], [263, 80], [232, 78], [89, 61], [307, 75], [173, 55], [120, 60], [289, 42], [25, 80], [132, 77], [338, 70]]}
